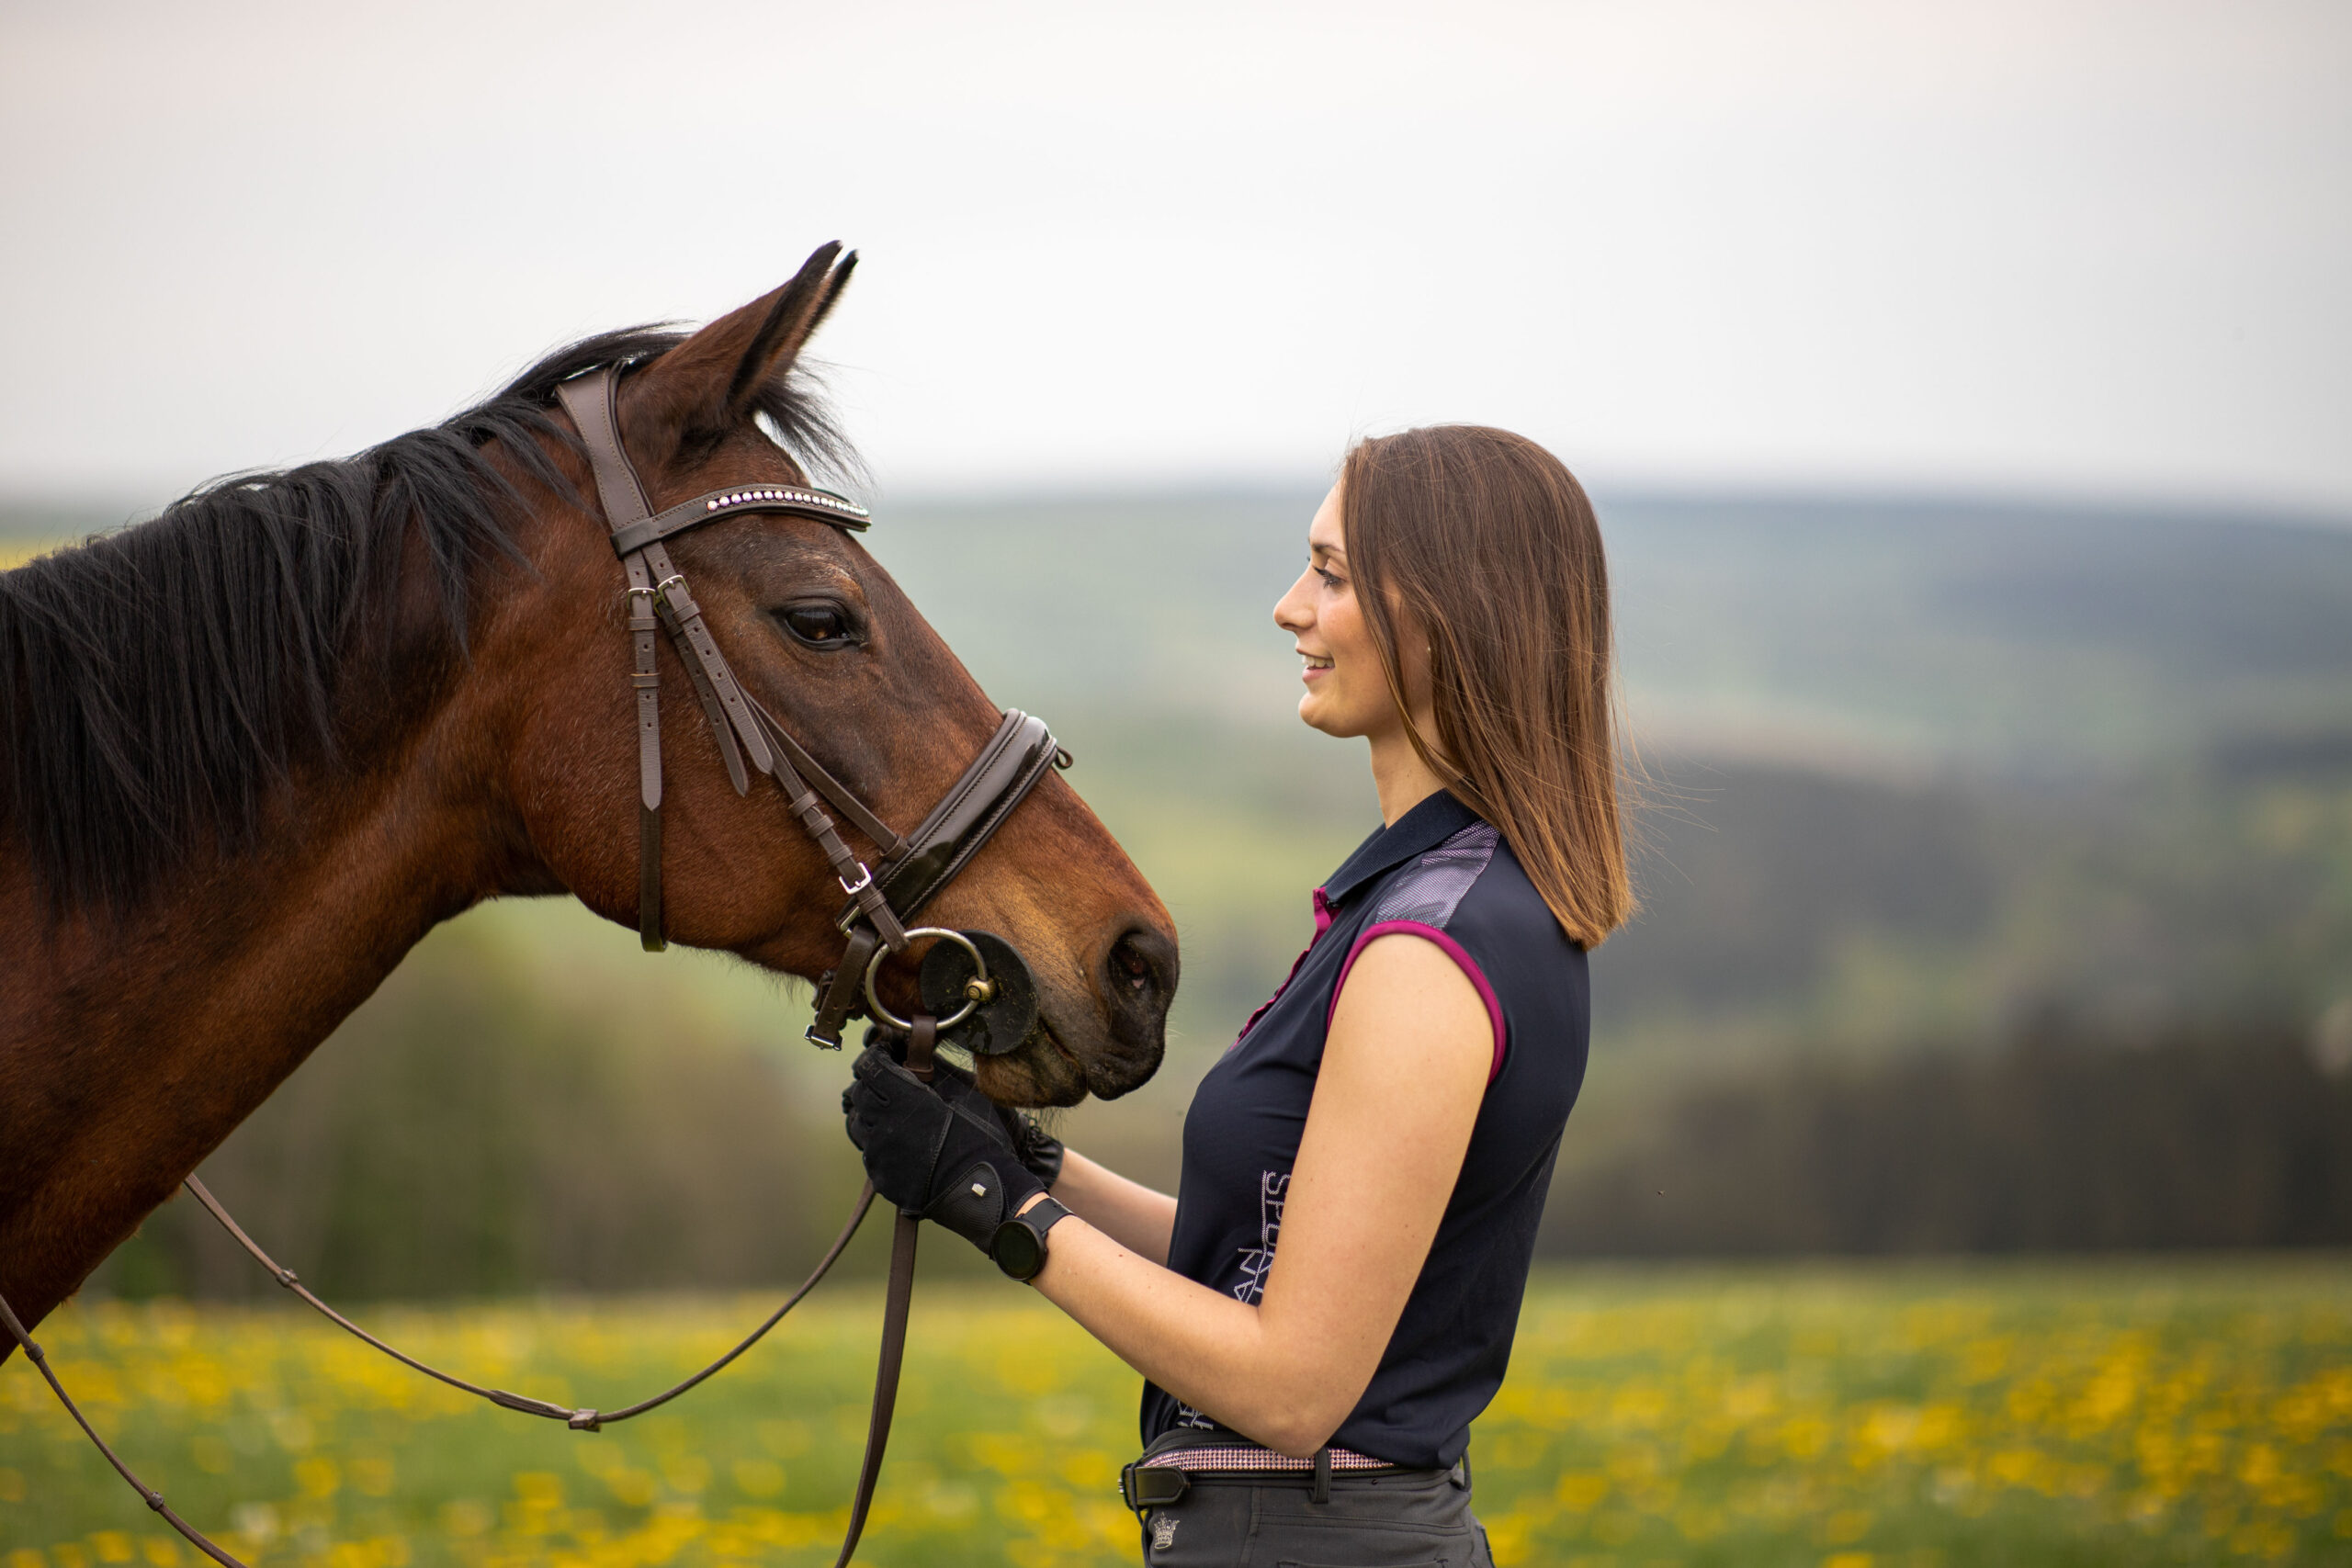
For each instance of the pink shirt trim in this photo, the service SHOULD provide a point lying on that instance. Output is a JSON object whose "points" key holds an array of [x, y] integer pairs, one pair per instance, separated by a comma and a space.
{"points": [[1446, 945]]}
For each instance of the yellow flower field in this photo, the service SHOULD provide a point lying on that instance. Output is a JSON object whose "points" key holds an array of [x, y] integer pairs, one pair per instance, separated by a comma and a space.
{"points": [[1830, 1417]]}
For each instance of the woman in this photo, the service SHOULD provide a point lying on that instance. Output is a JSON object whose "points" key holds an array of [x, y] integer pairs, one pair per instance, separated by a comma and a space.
{"points": [[1329, 1300]]}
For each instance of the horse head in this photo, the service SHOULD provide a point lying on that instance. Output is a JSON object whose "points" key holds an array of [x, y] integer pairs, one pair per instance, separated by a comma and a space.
{"points": [[818, 633], [252, 751]]}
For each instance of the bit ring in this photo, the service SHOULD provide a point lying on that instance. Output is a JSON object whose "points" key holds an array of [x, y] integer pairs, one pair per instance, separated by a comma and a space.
{"points": [[971, 1003]]}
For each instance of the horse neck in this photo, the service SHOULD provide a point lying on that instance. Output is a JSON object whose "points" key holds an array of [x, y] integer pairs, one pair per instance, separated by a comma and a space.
{"points": [[130, 1049]]}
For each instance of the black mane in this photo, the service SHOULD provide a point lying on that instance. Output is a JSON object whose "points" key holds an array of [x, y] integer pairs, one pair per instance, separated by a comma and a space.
{"points": [[156, 682]]}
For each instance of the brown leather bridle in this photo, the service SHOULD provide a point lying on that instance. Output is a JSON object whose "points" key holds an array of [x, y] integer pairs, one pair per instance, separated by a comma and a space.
{"points": [[911, 869], [883, 897]]}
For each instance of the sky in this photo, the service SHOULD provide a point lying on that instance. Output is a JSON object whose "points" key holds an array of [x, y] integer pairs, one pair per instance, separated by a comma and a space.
{"points": [[2039, 246]]}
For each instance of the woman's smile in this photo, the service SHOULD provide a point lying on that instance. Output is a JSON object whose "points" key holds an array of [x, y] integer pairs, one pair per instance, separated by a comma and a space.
{"points": [[1322, 605]]}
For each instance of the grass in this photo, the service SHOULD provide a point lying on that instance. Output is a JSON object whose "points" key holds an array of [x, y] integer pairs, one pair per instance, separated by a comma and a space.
{"points": [[1829, 1416]]}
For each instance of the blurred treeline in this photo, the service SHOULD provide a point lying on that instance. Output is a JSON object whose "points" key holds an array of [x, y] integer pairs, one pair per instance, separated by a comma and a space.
{"points": [[1997, 865], [2067, 1139], [482, 1127]]}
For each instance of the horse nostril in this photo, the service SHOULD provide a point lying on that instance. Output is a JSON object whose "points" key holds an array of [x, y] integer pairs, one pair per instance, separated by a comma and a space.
{"points": [[1140, 964]]}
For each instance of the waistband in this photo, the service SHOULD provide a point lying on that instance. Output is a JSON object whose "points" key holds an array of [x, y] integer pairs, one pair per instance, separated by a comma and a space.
{"points": [[1170, 1467], [1230, 1459]]}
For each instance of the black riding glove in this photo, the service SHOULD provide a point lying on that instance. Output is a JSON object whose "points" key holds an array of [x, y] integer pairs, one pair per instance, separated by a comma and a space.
{"points": [[1039, 1151], [949, 1162]]}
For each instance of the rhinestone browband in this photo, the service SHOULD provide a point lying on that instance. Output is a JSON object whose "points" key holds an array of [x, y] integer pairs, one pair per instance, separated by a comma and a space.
{"points": [[823, 499]]}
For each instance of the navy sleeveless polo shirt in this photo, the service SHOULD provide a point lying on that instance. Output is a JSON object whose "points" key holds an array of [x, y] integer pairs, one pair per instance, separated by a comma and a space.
{"points": [[1444, 874]]}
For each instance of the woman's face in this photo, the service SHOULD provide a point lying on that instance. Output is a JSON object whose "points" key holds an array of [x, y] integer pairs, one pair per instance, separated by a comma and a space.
{"points": [[1347, 695]]}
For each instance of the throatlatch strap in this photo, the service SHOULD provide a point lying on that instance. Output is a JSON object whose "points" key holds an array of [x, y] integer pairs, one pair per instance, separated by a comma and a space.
{"points": [[589, 401], [648, 681]]}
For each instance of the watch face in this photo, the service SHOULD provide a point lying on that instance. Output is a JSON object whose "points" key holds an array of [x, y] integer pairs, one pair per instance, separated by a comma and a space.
{"points": [[1018, 1250]]}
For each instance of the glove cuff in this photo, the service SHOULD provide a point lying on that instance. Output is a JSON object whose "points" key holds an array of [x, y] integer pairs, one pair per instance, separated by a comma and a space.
{"points": [[981, 1197]]}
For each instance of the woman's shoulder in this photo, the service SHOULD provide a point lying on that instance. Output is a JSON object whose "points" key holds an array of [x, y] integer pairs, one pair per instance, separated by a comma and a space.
{"points": [[1431, 888], [1469, 895], [1469, 884]]}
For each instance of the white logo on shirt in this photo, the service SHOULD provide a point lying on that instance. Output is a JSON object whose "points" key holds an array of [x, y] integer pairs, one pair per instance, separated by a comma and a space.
{"points": [[1273, 1187], [1257, 1262]]}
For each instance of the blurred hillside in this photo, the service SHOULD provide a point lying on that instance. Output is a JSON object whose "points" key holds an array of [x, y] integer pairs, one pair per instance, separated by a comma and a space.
{"points": [[1910, 765], [1920, 777]]}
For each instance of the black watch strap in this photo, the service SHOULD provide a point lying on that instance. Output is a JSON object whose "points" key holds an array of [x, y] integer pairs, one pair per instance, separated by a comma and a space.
{"points": [[1019, 1244]]}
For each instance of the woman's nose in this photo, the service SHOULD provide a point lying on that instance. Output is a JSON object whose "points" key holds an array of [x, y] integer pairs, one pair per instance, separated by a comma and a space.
{"points": [[1291, 612]]}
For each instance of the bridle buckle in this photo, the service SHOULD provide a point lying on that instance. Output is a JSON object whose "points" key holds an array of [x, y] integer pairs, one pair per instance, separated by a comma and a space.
{"points": [[865, 881]]}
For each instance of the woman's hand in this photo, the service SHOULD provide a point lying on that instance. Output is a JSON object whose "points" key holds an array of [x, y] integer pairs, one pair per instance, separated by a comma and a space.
{"points": [[1040, 1152], [1128, 1211], [946, 1160]]}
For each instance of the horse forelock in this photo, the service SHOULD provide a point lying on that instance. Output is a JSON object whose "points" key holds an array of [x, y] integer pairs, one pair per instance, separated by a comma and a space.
{"points": [[158, 681]]}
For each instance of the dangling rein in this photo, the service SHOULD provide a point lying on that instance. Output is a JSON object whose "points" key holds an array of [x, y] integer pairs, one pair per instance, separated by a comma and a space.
{"points": [[920, 1041]]}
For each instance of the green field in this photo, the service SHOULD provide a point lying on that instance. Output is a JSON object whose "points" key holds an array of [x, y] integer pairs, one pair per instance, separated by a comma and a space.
{"points": [[2142, 1412]]}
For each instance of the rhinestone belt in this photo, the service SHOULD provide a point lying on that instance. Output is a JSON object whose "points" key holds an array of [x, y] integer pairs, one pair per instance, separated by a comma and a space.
{"points": [[1257, 1459], [1160, 1479]]}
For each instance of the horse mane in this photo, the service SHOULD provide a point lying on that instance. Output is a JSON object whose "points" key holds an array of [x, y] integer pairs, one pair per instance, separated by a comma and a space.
{"points": [[158, 681]]}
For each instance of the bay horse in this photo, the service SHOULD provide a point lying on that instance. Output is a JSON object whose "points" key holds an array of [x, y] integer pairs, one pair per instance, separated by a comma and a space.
{"points": [[258, 747]]}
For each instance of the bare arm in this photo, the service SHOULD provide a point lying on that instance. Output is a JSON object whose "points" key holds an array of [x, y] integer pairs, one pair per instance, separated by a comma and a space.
{"points": [[1404, 1070], [1130, 1214]]}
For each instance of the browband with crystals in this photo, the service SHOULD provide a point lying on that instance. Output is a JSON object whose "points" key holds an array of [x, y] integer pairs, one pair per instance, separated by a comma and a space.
{"points": [[798, 500]]}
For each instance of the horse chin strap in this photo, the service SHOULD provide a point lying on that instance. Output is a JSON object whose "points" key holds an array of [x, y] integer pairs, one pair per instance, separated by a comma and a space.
{"points": [[883, 900]]}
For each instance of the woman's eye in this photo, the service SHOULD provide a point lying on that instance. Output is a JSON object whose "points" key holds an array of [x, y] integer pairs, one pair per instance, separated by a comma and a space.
{"points": [[820, 625], [1329, 580]]}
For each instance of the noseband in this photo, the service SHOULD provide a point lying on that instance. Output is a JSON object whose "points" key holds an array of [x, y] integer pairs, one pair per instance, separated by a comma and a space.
{"points": [[911, 869]]}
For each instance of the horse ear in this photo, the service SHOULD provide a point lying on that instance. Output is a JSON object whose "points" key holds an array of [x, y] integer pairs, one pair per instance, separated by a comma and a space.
{"points": [[708, 384]]}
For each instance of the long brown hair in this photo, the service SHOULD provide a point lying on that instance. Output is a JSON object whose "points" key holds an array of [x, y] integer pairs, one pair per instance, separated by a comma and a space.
{"points": [[1482, 543]]}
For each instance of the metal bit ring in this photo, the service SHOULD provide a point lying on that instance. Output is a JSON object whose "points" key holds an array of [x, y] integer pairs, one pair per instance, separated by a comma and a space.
{"points": [[971, 1003]]}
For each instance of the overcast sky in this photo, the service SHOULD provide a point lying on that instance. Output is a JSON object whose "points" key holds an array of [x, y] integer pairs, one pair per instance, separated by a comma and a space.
{"points": [[2004, 245]]}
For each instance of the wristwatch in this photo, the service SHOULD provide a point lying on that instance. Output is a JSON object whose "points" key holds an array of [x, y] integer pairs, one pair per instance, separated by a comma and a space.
{"points": [[1019, 1244]]}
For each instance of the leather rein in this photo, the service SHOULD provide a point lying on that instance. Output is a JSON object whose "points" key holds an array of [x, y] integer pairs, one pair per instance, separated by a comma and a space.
{"points": [[884, 897]]}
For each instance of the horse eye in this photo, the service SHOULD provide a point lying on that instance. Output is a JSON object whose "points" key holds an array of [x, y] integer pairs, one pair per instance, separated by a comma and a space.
{"points": [[819, 626]]}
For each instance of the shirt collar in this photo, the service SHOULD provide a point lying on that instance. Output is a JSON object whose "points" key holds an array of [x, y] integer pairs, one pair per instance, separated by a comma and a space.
{"points": [[1422, 828]]}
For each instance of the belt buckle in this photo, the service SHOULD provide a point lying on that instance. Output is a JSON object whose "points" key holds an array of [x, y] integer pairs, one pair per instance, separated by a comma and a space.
{"points": [[1144, 1486]]}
